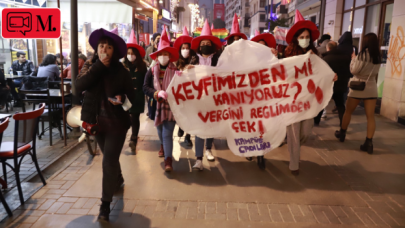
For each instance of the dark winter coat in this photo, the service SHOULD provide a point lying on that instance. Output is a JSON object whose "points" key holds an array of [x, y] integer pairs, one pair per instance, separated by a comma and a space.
{"points": [[138, 79], [340, 64], [100, 83], [26, 67], [346, 44]]}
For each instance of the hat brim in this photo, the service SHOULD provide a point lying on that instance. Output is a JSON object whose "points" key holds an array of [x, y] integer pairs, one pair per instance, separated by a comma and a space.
{"points": [[267, 37], [182, 40], [137, 47], [302, 24], [119, 42], [237, 34], [195, 43], [174, 54]]}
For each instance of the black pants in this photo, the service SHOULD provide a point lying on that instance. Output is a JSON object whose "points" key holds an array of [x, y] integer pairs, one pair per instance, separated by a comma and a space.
{"points": [[4, 92], [339, 98], [111, 144], [12, 89], [135, 125], [317, 118]]}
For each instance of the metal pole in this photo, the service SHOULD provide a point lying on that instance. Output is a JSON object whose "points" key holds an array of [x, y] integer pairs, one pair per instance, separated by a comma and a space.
{"points": [[74, 49], [62, 87], [322, 16]]}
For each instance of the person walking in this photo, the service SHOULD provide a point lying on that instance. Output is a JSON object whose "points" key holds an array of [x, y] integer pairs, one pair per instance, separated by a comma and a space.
{"points": [[157, 80], [363, 86], [340, 64], [235, 34], [186, 56], [107, 85], [206, 45], [49, 68], [325, 38], [134, 63], [153, 47], [300, 39]]}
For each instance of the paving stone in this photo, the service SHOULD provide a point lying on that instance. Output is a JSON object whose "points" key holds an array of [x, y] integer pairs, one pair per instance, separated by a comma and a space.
{"points": [[212, 216], [201, 207], [232, 214], [51, 196], [161, 206], [319, 214], [164, 214], [56, 191], [192, 213], [172, 206], [80, 203], [91, 202], [52, 186], [221, 208], [181, 213], [45, 206], [65, 208], [54, 208], [368, 216], [237, 205], [302, 214], [94, 210], [139, 209], [243, 215], [147, 202], [78, 211], [129, 205], [346, 215], [211, 207], [149, 211], [67, 185], [68, 199], [29, 219]]}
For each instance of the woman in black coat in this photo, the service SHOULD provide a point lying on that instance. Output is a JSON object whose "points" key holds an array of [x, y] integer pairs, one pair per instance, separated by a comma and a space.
{"points": [[107, 84]]}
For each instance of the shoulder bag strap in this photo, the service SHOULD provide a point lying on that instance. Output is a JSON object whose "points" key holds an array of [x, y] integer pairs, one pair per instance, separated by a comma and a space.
{"points": [[370, 73]]}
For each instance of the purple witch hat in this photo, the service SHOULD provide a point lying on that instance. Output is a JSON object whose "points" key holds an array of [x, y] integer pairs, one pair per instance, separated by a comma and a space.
{"points": [[113, 34]]}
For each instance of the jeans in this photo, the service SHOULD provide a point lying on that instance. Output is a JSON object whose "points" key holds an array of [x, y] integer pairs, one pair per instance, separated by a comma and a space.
{"points": [[111, 145], [135, 126], [165, 132], [199, 146]]}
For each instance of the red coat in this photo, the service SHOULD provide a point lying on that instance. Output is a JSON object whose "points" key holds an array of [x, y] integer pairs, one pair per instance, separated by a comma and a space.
{"points": [[67, 71]]}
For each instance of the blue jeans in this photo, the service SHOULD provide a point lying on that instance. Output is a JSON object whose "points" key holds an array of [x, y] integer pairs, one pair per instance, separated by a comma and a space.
{"points": [[199, 146], [165, 132]]}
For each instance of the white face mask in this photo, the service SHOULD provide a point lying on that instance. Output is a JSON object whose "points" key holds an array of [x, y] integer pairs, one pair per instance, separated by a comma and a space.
{"points": [[131, 58], [304, 43], [102, 56], [163, 60], [185, 53]]}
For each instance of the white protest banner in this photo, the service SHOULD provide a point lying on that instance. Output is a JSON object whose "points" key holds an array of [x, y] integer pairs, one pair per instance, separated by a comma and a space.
{"points": [[250, 97]]}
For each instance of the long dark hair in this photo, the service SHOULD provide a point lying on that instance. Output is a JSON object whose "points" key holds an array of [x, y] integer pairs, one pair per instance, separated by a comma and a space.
{"points": [[139, 63], [107, 40], [48, 59], [182, 62], [370, 43], [294, 48], [231, 40]]}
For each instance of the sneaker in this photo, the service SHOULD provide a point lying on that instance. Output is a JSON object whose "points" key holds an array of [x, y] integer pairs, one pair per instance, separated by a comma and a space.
{"points": [[198, 165], [161, 151], [168, 164], [188, 141], [104, 213], [208, 155], [324, 114]]}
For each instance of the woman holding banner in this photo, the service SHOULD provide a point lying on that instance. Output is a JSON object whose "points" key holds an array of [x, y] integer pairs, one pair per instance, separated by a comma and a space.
{"points": [[206, 45], [267, 40], [300, 39], [186, 57], [235, 32], [157, 80]]}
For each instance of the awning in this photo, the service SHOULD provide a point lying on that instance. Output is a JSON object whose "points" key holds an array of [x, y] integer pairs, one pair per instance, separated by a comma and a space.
{"points": [[100, 12]]}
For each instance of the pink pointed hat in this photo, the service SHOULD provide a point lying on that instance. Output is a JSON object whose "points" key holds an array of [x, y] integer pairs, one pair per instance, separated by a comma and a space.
{"points": [[133, 44], [299, 24], [164, 45], [235, 31], [206, 34], [266, 37], [113, 34], [212, 26], [183, 39]]}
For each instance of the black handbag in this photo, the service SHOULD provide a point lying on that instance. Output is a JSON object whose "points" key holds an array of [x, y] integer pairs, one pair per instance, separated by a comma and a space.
{"points": [[359, 85]]}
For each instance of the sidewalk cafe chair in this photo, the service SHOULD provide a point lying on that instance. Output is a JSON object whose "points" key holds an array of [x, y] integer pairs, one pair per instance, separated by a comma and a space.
{"points": [[3, 127], [26, 126]]}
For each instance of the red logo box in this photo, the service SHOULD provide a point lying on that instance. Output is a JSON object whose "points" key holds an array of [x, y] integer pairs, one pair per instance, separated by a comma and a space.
{"points": [[31, 23]]}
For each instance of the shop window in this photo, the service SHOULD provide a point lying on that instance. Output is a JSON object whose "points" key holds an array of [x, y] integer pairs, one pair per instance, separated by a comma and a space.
{"points": [[358, 21], [371, 1], [262, 3], [348, 4], [360, 2], [373, 19], [347, 21]]}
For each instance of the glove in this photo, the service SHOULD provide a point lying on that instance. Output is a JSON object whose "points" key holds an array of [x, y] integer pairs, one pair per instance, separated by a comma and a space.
{"points": [[162, 94]]}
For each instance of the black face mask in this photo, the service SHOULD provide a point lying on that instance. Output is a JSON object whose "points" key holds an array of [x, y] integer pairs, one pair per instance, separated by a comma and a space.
{"points": [[207, 50]]}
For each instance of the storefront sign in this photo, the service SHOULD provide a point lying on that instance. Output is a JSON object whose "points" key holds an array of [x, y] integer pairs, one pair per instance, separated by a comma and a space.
{"points": [[219, 11], [250, 100], [31, 23], [166, 14], [141, 17]]}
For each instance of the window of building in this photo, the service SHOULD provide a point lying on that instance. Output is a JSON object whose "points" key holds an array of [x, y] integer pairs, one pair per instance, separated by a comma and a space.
{"points": [[262, 3], [347, 22], [262, 18], [348, 4], [358, 21], [360, 2], [373, 19]]}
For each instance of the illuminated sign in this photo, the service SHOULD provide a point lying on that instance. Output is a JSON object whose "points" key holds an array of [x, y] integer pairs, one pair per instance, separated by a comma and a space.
{"points": [[166, 14]]}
